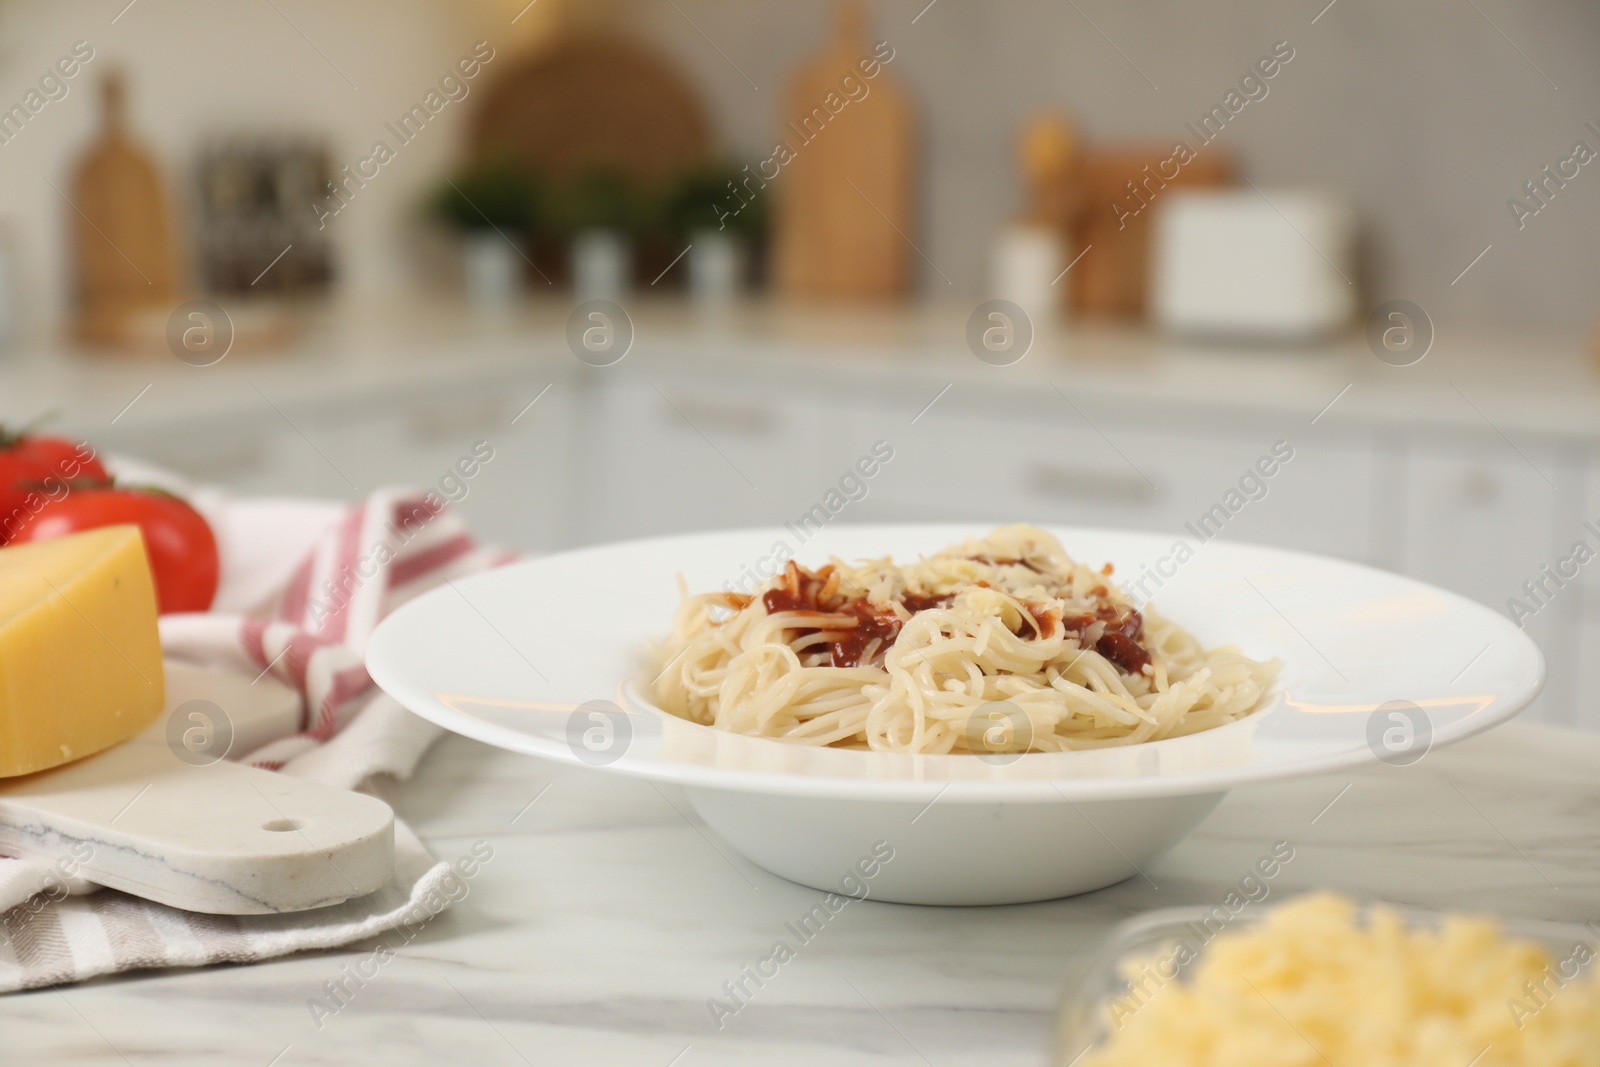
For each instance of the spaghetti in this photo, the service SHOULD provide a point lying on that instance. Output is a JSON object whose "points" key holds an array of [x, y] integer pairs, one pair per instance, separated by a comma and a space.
{"points": [[1002, 644]]}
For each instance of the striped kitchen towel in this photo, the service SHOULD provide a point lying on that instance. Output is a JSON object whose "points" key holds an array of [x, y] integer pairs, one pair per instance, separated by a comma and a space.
{"points": [[304, 584]]}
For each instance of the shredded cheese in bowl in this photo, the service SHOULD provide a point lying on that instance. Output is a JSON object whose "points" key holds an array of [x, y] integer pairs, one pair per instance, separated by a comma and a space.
{"points": [[1321, 982]]}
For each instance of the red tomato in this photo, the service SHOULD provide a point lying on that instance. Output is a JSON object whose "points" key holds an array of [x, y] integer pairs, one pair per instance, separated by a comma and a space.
{"points": [[36, 470], [182, 550]]}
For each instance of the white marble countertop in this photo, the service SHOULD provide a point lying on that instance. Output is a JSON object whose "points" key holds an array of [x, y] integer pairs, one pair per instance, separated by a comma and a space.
{"points": [[1543, 388], [607, 917]]}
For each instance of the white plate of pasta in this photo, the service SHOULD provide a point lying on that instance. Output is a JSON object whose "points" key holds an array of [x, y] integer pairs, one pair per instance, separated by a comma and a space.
{"points": [[1016, 713]]}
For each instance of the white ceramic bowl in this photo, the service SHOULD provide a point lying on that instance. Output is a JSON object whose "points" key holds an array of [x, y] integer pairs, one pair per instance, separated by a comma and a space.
{"points": [[548, 657]]}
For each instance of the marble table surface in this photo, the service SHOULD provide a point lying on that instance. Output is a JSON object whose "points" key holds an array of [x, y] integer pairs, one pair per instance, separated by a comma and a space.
{"points": [[607, 916]]}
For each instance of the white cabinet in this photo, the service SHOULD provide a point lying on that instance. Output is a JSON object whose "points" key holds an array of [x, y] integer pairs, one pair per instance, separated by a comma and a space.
{"points": [[1585, 705], [1095, 468], [343, 447], [961, 462], [1586, 651], [667, 453], [517, 497], [1481, 519], [524, 497], [249, 450], [657, 445]]}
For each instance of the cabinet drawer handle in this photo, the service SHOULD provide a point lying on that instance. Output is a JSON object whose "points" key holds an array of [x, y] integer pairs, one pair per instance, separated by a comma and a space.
{"points": [[1078, 483], [739, 419], [461, 424], [1479, 488]]}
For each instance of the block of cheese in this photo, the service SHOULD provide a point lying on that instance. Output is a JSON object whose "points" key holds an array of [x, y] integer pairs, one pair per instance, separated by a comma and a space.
{"points": [[80, 655]]}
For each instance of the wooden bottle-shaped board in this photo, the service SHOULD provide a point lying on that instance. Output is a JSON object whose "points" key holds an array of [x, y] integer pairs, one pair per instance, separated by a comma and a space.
{"points": [[122, 237], [845, 181]]}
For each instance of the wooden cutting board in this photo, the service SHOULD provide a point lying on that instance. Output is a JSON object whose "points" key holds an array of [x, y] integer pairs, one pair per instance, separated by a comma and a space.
{"points": [[202, 833], [593, 101], [845, 202], [124, 254]]}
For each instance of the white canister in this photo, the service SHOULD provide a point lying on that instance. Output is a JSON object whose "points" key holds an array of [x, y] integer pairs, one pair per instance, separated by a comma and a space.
{"points": [[493, 268], [1275, 265], [716, 269], [600, 265], [1027, 264]]}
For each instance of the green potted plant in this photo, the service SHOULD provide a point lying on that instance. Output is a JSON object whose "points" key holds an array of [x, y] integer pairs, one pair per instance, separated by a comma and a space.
{"points": [[720, 213], [494, 205], [601, 211]]}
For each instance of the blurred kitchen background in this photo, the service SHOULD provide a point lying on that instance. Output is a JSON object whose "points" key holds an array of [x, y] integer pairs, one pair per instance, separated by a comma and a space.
{"points": [[682, 263]]}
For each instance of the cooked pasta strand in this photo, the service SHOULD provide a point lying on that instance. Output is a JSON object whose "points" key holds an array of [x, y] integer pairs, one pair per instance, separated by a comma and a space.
{"points": [[1004, 643]]}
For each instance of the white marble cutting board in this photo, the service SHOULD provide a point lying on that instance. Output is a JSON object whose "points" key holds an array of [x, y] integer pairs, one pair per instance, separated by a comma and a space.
{"points": [[164, 817]]}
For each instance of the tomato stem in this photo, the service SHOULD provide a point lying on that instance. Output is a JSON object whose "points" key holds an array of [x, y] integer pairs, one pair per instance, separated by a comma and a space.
{"points": [[8, 438]]}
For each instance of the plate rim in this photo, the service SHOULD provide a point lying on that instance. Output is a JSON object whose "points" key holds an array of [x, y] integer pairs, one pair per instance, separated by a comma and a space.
{"points": [[917, 789]]}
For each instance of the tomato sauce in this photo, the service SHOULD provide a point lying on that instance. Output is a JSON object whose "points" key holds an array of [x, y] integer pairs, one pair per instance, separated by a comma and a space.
{"points": [[876, 627], [1122, 641], [818, 593]]}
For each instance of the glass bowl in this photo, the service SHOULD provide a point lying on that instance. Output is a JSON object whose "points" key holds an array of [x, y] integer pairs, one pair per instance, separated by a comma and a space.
{"points": [[1082, 1024]]}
